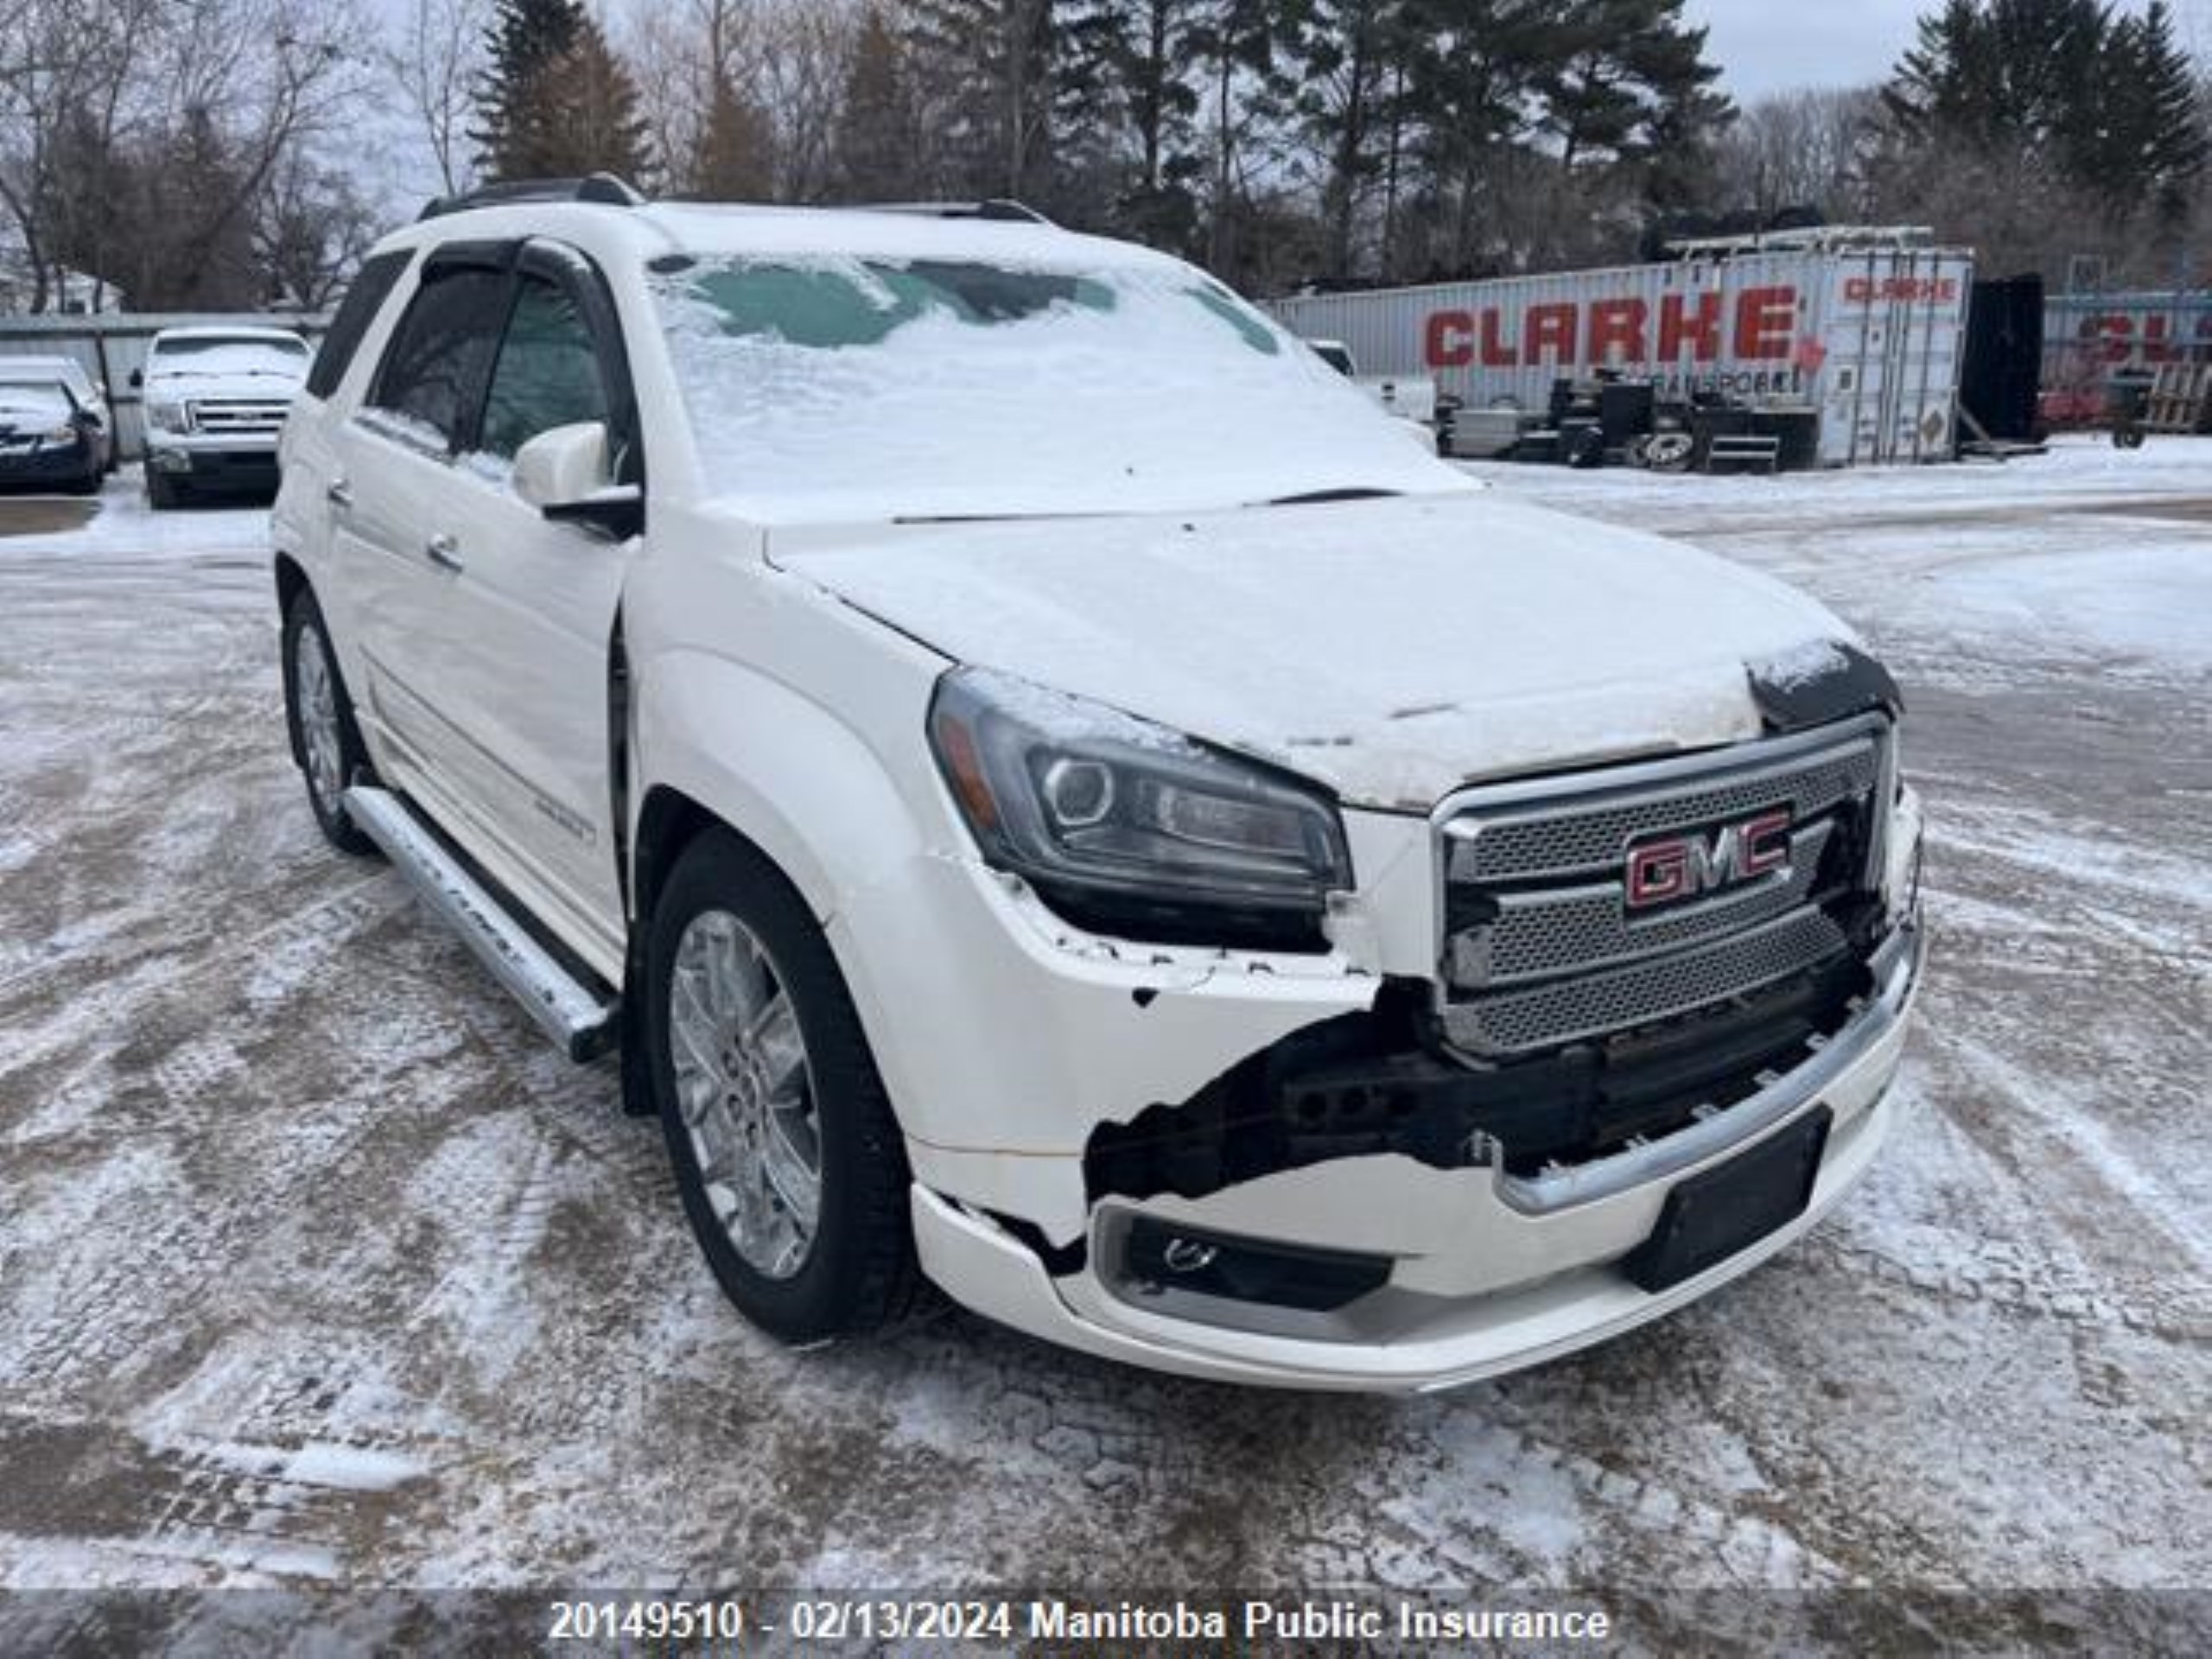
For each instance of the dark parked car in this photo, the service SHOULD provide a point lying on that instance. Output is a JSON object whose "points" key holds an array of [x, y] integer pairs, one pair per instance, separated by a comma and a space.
{"points": [[48, 438]]}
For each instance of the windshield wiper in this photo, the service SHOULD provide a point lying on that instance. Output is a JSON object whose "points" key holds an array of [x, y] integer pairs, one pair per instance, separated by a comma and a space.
{"points": [[1318, 498]]}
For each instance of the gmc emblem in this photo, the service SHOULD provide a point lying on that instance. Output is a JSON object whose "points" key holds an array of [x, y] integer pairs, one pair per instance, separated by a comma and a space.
{"points": [[1682, 866]]}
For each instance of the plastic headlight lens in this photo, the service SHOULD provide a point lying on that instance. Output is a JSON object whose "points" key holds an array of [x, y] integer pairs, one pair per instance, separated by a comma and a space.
{"points": [[168, 414], [1129, 827]]}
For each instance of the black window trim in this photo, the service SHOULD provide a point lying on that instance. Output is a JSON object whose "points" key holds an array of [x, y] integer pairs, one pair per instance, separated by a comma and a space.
{"points": [[578, 276], [448, 259]]}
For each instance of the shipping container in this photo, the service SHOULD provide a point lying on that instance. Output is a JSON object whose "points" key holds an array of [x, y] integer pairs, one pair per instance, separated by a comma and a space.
{"points": [[2087, 336], [1869, 337]]}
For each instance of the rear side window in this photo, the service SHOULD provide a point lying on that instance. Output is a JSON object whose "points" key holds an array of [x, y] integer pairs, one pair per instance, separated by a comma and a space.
{"points": [[432, 375], [548, 373], [364, 298]]}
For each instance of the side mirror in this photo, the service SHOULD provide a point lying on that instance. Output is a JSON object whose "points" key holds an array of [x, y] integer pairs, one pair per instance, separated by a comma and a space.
{"points": [[563, 474], [138, 379]]}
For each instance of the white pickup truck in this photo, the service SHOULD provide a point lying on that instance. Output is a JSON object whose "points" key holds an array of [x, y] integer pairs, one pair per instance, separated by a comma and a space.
{"points": [[1276, 911], [214, 400], [1409, 396]]}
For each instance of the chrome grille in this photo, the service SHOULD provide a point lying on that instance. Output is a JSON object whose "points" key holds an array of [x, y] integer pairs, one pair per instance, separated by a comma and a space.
{"points": [[1562, 838], [1592, 1003], [1535, 953], [257, 417], [1559, 930]]}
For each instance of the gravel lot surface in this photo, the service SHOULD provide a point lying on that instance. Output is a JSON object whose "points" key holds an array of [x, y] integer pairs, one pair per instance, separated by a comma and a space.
{"points": [[316, 1265]]}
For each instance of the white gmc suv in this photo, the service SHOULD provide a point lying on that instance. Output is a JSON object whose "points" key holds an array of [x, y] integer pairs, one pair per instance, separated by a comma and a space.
{"points": [[1049, 791]]}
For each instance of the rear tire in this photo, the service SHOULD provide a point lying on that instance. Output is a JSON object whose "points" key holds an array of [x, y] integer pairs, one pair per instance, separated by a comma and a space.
{"points": [[791, 1167], [320, 715]]}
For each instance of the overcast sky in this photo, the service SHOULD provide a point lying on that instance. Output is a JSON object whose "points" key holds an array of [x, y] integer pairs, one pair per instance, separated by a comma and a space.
{"points": [[1772, 46]]}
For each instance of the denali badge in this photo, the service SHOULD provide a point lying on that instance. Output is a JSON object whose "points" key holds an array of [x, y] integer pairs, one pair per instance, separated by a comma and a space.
{"points": [[1682, 867]]}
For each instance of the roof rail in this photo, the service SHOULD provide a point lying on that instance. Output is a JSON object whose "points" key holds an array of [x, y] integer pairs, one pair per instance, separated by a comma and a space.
{"points": [[992, 208], [602, 187]]}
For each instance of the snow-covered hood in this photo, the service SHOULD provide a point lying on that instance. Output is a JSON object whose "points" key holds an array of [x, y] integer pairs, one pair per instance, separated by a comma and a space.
{"points": [[1390, 649]]}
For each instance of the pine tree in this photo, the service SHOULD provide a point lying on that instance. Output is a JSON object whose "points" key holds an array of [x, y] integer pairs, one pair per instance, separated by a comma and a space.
{"points": [[877, 137], [2158, 144], [556, 102], [2010, 77], [523, 38], [1348, 55], [2069, 89], [1629, 78], [735, 159], [988, 70], [1122, 70]]}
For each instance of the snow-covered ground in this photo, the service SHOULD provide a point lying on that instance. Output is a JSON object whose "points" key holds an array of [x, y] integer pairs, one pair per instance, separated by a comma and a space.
{"points": [[317, 1266]]}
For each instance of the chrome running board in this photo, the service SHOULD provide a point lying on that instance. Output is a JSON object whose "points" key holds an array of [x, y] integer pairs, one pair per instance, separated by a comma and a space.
{"points": [[565, 1009]]}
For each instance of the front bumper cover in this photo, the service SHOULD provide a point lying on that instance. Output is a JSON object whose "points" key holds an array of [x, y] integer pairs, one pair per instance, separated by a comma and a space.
{"points": [[1491, 1270]]}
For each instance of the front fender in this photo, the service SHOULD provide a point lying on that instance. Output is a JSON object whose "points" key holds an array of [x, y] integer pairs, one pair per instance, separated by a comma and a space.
{"points": [[779, 769]]}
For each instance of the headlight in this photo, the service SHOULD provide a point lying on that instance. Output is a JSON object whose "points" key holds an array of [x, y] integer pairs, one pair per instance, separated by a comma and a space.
{"points": [[1129, 829], [168, 414], [62, 434]]}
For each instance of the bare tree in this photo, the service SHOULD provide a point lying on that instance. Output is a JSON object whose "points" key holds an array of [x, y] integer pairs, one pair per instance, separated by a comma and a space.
{"points": [[1813, 147], [742, 97], [435, 68], [311, 228]]}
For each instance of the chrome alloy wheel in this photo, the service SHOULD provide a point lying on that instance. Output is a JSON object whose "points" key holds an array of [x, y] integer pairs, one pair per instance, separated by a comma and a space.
{"points": [[746, 1092], [318, 712]]}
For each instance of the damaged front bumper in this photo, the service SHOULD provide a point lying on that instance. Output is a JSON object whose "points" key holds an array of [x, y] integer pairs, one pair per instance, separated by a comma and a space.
{"points": [[1389, 1271]]}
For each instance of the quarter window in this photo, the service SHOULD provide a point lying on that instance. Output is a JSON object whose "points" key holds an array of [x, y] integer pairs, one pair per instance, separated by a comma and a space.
{"points": [[547, 374], [432, 373]]}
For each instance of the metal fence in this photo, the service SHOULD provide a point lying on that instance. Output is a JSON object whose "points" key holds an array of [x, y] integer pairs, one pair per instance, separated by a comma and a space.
{"points": [[112, 348]]}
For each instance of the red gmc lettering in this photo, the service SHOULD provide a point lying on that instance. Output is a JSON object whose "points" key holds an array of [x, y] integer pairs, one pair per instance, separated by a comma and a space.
{"points": [[1702, 331], [1445, 343], [1764, 845], [1682, 866], [1616, 323], [1765, 317]]}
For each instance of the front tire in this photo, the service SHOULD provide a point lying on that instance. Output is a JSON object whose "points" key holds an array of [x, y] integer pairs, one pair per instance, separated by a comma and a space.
{"points": [[321, 716], [791, 1168], [163, 493]]}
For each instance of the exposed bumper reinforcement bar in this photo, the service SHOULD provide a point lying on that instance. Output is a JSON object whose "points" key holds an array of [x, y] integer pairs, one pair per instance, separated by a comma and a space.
{"points": [[565, 1009], [1894, 966]]}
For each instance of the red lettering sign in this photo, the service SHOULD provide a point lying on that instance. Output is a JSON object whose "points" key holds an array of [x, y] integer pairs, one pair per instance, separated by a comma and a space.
{"points": [[1616, 325], [1445, 343], [1551, 327], [1701, 333], [1764, 318], [1910, 291], [1497, 352]]}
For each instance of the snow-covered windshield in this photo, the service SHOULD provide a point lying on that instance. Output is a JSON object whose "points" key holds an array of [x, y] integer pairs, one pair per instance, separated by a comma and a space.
{"points": [[864, 388], [23, 404], [282, 359]]}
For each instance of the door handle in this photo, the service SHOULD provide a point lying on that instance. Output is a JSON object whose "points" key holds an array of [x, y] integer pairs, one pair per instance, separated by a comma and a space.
{"points": [[339, 492], [442, 551]]}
